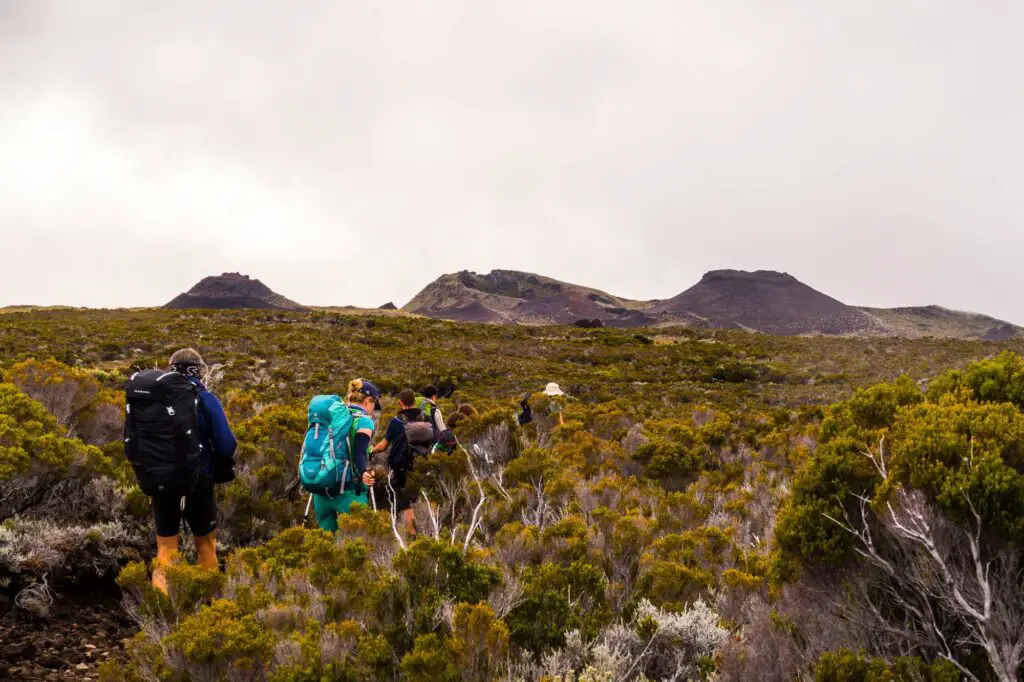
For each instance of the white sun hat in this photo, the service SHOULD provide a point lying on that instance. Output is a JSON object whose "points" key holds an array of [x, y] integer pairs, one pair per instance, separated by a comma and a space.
{"points": [[553, 389]]}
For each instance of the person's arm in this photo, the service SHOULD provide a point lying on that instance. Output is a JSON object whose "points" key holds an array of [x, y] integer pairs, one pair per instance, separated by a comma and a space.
{"points": [[389, 437], [223, 440], [438, 420], [361, 446]]}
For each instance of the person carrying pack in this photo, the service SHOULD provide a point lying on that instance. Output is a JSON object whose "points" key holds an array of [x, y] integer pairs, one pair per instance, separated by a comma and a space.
{"points": [[409, 434], [332, 466], [465, 413], [526, 412], [555, 406], [446, 442], [179, 444], [427, 403]]}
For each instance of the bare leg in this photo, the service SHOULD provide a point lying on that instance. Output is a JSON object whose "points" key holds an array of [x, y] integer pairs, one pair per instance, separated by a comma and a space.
{"points": [[410, 521]]}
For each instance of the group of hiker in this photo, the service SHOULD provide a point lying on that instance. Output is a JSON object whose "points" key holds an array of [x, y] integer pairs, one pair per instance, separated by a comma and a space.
{"points": [[335, 463], [180, 445]]}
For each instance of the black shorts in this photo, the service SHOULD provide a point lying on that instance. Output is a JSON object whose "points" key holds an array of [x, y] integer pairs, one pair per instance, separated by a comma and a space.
{"points": [[200, 512]]}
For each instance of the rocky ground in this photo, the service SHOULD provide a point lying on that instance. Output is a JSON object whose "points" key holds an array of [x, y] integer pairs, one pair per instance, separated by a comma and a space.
{"points": [[83, 630]]}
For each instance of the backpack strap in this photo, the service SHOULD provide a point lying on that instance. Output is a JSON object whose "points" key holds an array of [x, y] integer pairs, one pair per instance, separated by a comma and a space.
{"points": [[352, 447]]}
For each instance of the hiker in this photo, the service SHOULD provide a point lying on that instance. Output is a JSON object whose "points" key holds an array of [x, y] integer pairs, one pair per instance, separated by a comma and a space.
{"points": [[446, 442], [455, 420], [428, 405], [553, 391], [526, 413], [465, 412], [409, 433], [170, 416], [333, 466]]}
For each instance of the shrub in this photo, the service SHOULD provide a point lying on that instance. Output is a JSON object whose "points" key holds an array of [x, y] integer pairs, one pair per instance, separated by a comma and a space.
{"points": [[74, 396], [220, 638], [429, 661], [846, 666], [556, 600], [479, 642], [655, 645], [31, 548], [662, 488]]}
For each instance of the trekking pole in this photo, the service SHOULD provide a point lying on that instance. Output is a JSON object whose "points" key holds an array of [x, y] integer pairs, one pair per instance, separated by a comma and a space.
{"points": [[305, 517]]}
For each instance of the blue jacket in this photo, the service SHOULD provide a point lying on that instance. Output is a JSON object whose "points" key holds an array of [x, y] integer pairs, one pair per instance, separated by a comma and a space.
{"points": [[213, 424]]}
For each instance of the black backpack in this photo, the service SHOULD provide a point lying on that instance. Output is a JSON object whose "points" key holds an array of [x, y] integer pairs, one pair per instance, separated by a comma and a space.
{"points": [[417, 438], [161, 432]]}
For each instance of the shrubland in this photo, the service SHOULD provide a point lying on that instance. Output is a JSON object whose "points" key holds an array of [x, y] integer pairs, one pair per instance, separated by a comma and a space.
{"points": [[713, 504]]}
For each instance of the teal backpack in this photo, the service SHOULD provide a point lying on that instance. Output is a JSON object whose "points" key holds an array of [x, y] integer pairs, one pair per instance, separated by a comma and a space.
{"points": [[325, 464]]}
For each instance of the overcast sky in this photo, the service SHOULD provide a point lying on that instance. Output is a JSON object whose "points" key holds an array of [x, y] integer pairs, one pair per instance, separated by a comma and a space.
{"points": [[348, 152]]}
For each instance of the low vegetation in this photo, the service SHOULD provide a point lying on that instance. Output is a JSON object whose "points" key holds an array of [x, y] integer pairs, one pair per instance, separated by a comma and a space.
{"points": [[715, 504]]}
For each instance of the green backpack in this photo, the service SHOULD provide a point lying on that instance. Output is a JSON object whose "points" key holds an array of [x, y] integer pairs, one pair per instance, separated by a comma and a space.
{"points": [[426, 407]]}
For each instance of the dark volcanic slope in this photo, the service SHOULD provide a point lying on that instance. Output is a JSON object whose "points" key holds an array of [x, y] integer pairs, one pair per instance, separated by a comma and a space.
{"points": [[232, 290], [766, 301], [509, 296]]}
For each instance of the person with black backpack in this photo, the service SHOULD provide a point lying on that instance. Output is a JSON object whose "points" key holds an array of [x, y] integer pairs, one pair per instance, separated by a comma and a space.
{"points": [[180, 445], [409, 433]]}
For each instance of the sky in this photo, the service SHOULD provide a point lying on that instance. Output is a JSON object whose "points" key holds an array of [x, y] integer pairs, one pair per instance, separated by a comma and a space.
{"points": [[348, 152]]}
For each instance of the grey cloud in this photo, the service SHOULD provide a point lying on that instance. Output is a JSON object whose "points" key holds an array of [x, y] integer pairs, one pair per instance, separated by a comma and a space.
{"points": [[869, 148]]}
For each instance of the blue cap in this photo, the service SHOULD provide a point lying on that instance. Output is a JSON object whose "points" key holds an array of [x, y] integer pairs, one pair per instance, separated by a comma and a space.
{"points": [[368, 388]]}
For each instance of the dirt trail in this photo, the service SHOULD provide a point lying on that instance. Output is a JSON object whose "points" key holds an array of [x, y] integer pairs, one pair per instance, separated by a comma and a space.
{"points": [[84, 629]]}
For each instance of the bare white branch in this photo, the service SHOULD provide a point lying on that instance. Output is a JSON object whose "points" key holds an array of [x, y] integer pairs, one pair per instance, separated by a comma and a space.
{"points": [[433, 516], [475, 520], [393, 499], [955, 594]]}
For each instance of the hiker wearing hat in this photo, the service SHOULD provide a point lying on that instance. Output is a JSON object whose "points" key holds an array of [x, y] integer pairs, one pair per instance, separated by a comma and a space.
{"points": [[363, 401], [196, 503], [557, 395]]}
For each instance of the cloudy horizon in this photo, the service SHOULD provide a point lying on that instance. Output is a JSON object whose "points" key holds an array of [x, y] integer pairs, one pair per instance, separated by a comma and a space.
{"points": [[346, 153]]}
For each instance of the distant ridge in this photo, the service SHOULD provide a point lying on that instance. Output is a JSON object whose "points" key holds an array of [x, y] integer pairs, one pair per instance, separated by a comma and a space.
{"points": [[510, 297], [232, 290], [934, 320], [764, 300], [767, 301]]}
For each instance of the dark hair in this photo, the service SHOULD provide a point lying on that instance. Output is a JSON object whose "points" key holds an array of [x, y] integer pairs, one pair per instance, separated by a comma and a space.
{"points": [[407, 398], [429, 391]]}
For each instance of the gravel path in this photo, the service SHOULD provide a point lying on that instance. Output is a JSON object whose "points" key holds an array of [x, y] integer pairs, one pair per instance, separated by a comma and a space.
{"points": [[83, 630]]}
